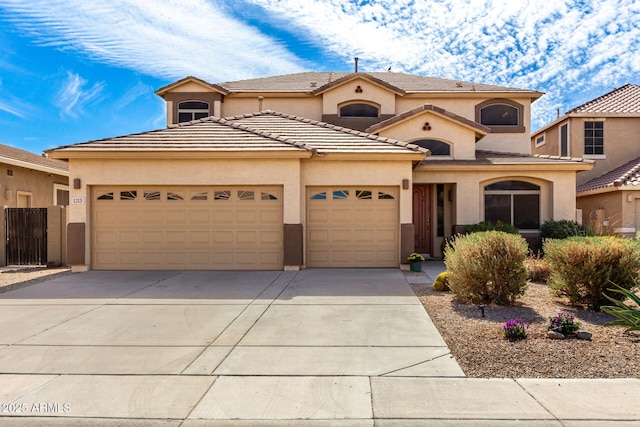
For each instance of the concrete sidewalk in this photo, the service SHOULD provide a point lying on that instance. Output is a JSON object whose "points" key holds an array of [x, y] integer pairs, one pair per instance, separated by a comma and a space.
{"points": [[315, 347]]}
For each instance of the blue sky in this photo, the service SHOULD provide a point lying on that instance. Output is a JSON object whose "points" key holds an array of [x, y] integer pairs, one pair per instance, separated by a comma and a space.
{"points": [[77, 70]]}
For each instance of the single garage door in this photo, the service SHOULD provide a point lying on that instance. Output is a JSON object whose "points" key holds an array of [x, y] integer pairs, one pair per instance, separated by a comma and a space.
{"points": [[352, 227], [182, 228]]}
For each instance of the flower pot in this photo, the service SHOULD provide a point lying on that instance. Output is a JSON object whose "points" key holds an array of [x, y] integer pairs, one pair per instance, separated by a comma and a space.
{"points": [[415, 266]]}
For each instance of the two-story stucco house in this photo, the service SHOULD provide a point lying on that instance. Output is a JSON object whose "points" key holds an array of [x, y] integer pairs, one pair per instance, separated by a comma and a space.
{"points": [[314, 169], [607, 130]]}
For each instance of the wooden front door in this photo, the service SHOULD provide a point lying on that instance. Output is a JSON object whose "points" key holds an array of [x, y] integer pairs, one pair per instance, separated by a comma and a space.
{"points": [[422, 217]]}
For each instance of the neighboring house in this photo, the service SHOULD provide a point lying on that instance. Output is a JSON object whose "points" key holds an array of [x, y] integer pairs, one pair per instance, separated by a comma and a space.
{"points": [[28, 180], [607, 130], [283, 181]]}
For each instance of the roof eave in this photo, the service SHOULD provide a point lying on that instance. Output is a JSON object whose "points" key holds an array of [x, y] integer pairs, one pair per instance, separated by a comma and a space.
{"points": [[34, 166], [68, 154]]}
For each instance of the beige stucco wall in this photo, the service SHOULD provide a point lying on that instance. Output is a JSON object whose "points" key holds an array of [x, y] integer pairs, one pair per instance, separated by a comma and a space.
{"points": [[557, 190], [370, 93], [308, 106], [551, 144], [191, 87], [466, 107], [617, 211], [461, 139], [38, 184]]}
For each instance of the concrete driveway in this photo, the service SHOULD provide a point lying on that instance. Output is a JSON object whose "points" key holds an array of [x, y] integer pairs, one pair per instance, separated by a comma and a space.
{"points": [[315, 347]]}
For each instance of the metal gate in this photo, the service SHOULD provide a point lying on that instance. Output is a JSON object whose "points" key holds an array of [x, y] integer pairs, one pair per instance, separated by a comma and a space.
{"points": [[26, 231]]}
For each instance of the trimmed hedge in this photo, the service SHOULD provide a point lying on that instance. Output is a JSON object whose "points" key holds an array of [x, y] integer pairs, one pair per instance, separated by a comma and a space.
{"points": [[487, 267], [489, 226], [563, 229], [582, 268]]}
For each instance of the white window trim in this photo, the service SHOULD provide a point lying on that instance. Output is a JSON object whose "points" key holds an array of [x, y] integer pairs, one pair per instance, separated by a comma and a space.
{"points": [[593, 156], [544, 140], [57, 187]]}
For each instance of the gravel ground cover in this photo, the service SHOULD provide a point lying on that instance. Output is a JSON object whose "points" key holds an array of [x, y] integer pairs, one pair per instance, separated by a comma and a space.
{"points": [[14, 278], [480, 348]]}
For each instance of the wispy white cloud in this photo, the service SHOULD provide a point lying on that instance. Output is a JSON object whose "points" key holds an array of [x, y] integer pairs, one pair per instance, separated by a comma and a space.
{"points": [[562, 47], [75, 94], [134, 92], [11, 110], [160, 38], [566, 48]]}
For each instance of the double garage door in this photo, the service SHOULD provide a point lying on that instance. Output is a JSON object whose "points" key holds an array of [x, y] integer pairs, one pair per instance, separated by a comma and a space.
{"points": [[179, 228], [239, 228]]}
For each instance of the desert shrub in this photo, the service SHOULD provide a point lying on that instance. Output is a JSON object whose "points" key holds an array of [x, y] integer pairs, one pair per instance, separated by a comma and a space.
{"points": [[441, 283], [582, 268], [489, 226], [563, 229], [487, 267], [538, 269]]}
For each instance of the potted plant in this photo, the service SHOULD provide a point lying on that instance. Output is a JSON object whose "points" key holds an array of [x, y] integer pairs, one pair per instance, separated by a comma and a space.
{"points": [[415, 261]]}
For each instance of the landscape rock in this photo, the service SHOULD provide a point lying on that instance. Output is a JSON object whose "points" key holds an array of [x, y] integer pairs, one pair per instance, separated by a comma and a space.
{"points": [[584, 335], [554, 335]]}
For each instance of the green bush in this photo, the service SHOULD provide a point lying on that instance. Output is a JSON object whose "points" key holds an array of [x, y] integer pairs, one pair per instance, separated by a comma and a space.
{"points": [[563, 229], [489, 226], [441, 283], [487, 267], [538, 269], [583, 267]]}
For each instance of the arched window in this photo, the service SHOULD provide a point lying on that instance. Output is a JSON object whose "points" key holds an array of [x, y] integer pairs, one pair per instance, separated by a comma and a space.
{"points": [[501, 115], [192, 110], [359, 110], [437, 148], [513, 202]]}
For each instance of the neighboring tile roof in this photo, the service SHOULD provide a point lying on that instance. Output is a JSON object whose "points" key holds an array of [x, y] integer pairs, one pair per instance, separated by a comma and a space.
{"points": [[623, 100], [492, 157], [265, 131], [427, 107], [314, 81], [625, 175], [17, 156]]}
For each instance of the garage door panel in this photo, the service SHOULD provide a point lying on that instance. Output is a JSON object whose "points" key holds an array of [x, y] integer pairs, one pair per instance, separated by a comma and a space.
{"points": [[187, 228], [199, 217], [246, 217], [352, 227]]}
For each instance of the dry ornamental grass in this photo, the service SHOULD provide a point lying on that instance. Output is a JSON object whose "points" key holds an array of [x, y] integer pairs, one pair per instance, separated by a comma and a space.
{"points": [[479, 346]]}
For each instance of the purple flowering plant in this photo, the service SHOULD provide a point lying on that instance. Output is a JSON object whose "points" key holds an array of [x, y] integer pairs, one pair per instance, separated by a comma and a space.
{"points": [[564, 323], [515, 329]]}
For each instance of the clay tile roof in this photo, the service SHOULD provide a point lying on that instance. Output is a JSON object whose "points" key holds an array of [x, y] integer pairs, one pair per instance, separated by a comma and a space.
{"points": [[625, 175], [323, 137], [494, 157], [623, 100], [484, 130], [265, 131], [314, 81], [26, 159]]}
